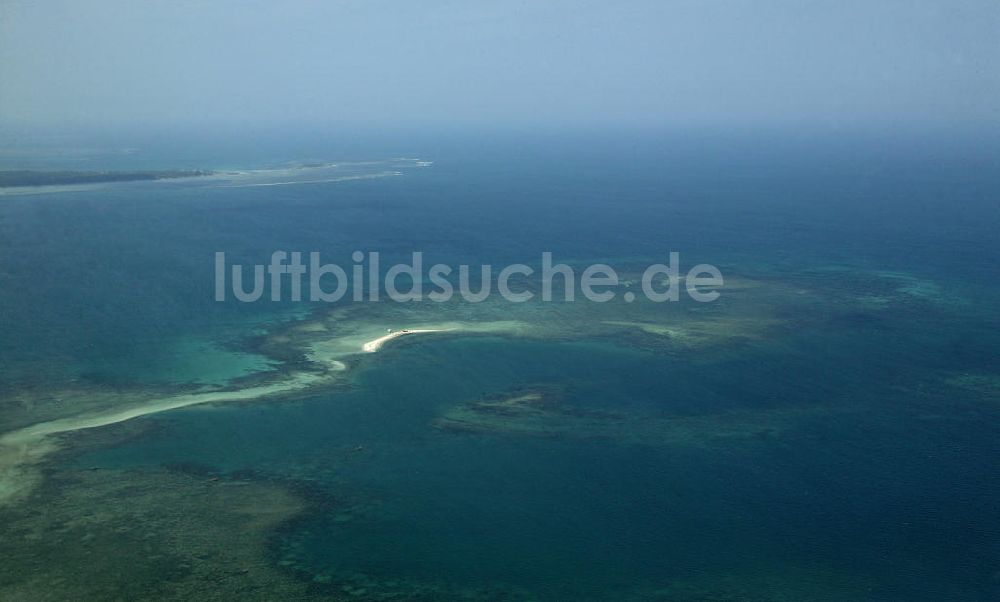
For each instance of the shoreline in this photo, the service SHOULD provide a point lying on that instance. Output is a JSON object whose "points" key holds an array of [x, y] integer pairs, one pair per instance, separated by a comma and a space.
{"points": [[375, 344]]}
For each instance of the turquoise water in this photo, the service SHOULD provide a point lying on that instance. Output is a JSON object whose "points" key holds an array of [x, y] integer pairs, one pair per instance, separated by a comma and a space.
{"points": [[839, 456]]}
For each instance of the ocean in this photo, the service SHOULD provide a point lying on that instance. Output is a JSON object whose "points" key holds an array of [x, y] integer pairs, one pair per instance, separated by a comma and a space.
{"points": [[826, 430]]}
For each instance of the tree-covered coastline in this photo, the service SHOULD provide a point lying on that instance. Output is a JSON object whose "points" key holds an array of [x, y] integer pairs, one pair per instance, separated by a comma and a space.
{"points": [[25, 177]]}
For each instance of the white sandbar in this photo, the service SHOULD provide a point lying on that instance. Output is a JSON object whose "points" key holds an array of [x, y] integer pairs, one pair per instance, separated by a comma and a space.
{"points": [[376, 344]]}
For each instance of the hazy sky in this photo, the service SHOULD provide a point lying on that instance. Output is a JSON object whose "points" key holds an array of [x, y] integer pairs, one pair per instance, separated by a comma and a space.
{"points": [[490, 62]]}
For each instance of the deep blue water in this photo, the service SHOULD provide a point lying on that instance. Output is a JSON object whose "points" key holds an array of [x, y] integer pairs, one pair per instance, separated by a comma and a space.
{"points": [[131, 262], [898, 492]]}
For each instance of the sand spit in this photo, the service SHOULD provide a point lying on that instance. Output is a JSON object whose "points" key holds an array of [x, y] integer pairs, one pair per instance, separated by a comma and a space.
{"points": [[376, 344], [22, 449]]}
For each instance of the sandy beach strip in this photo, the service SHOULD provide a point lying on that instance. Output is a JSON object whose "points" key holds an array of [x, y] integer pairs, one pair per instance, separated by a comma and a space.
{"points": [[376, 344]]}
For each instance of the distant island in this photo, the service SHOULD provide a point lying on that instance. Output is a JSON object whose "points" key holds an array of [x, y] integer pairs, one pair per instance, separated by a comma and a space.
{"points": [[27, 177]]}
